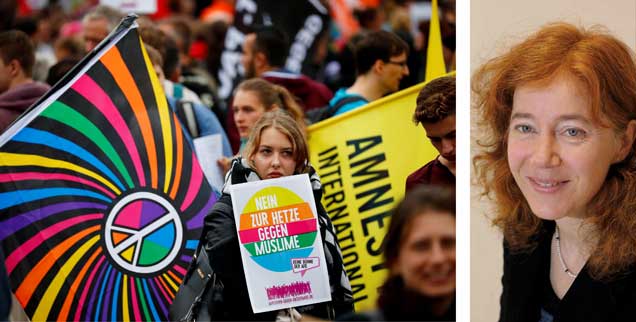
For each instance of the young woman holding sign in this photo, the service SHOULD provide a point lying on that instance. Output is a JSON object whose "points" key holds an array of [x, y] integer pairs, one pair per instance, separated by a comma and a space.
{"points": [[276, 147], [560, 165]]}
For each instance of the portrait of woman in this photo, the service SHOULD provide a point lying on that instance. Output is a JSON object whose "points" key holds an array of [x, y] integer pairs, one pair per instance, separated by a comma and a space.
{"points": [[560, 168]]}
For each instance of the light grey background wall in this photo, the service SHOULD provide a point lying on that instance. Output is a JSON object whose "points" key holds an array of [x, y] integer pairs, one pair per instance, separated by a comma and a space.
{"points": [[494, 26]]}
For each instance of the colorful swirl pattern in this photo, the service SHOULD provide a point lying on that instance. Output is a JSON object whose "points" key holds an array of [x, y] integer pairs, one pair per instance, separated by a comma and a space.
{"points": [[275, 232], [111, 135]]}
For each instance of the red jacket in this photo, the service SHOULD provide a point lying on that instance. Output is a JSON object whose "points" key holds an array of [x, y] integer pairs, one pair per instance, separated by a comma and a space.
{"points": [[16, 100], [311, 94]]}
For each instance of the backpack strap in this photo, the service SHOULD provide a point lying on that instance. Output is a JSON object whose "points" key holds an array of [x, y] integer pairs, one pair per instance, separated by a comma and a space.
{"points": [[331, 111], [177, 91], [185, 112]]}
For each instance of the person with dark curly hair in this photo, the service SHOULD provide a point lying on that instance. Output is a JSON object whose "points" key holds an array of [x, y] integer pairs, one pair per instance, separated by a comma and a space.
{"points": [[436, 112], [558, 161]]}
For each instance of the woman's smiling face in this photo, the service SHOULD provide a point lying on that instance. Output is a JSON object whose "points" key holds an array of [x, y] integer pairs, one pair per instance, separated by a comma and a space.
{"points": [[426, 260], [558, 154]]}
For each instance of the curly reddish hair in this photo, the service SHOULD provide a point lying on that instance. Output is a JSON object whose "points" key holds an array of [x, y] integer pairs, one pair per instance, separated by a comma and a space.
{"points": [[602, 67]]}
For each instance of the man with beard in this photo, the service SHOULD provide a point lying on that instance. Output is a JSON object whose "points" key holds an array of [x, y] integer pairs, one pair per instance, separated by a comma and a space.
{"points": [[436, 112]]}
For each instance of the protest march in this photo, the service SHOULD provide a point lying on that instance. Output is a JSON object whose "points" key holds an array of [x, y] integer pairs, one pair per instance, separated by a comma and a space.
{"points": [[150, 181]]}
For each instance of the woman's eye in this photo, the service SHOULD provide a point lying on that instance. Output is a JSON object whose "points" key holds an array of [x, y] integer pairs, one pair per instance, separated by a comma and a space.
{"points": [[287, 153], [265, 151], [574, 132], [523, 128]]}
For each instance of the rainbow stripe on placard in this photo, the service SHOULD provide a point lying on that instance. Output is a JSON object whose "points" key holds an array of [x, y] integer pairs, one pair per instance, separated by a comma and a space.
{"points": [[111, 134], [274, 235]]}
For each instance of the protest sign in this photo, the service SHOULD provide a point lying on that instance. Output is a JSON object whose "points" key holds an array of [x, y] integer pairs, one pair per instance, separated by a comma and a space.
{"points": [[137, 6], [363, 158], [209, 149], [310, 19], [101, 198], [280, 243]]}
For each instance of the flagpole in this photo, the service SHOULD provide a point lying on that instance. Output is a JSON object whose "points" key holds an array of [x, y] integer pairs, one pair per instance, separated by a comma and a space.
{"points": [[435, 65]]}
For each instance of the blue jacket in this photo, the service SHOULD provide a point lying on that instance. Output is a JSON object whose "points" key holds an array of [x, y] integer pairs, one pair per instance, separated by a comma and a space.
{"points": [[342, 93]]}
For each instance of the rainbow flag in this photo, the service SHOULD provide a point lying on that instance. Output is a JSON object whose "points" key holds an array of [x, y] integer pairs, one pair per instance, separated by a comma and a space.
{"points": [[101, 198], [361, 159]]}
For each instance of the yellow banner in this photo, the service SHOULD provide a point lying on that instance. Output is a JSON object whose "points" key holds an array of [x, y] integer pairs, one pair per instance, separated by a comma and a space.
{"points": [[363, 158]]}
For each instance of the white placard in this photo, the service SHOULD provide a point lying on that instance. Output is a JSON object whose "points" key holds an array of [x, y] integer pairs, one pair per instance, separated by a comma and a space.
{"points": [[209, 149], [280, 243], [136, 6]]}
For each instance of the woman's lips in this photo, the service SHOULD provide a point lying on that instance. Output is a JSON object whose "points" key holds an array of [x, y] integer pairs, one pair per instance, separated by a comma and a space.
{"points": [[274, 174], [547, 185], [440, 277]]}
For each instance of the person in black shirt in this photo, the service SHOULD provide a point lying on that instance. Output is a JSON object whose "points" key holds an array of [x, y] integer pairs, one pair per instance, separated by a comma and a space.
{"points": [[560, 165]]}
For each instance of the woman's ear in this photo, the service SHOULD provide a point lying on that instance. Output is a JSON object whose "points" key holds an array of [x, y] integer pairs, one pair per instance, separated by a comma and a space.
{"points": [[627, 141]]}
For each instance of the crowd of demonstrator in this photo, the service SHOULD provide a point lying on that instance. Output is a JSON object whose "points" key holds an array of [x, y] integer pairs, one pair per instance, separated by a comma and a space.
{"points": [[263, 126]]}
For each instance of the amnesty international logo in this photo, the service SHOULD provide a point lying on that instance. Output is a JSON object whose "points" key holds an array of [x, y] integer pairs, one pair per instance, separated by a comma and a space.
{"points": [[143, 233]]}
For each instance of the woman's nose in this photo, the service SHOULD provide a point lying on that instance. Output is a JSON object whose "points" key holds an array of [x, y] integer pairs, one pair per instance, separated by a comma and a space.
{"points": [[545, 153], [437, 253], [275, 160]]}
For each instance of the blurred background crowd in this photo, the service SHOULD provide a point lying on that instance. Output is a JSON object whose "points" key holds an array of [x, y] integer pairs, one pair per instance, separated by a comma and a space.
{"points": [[192, 35], [223, 64]]}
